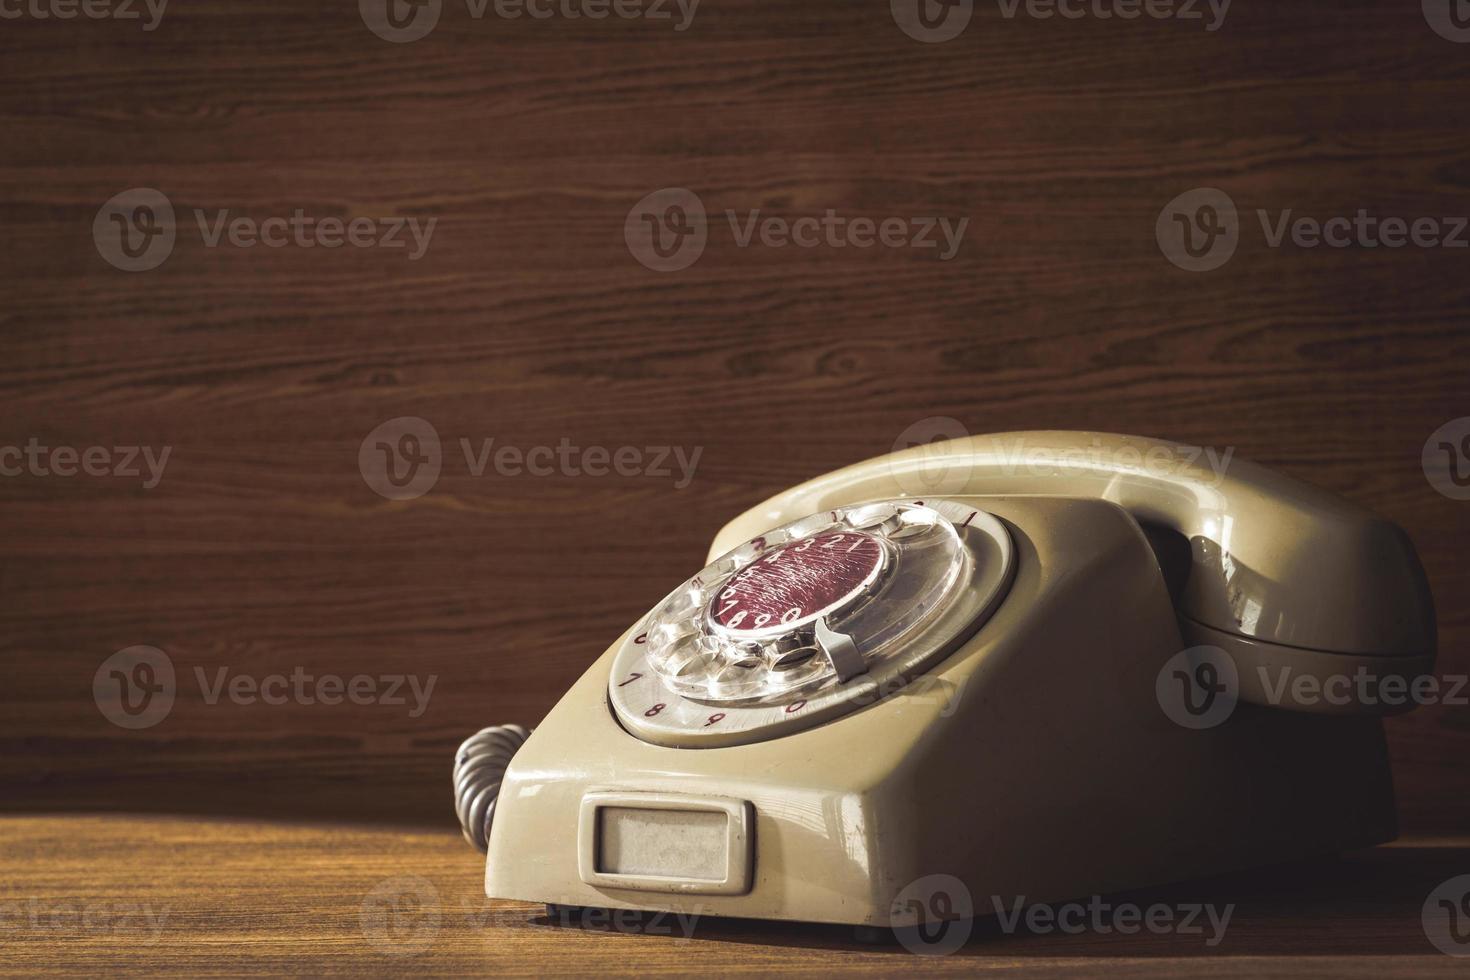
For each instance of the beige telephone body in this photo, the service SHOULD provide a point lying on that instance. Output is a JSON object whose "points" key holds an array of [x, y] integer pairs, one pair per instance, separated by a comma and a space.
{"points": [[962, 659]]}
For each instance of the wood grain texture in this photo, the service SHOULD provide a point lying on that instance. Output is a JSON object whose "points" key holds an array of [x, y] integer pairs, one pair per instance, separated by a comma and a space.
{"points": [[262, 549], [129, 896]]}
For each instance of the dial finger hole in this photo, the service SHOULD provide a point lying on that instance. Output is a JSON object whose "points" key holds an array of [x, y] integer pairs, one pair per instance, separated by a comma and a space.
{"points": [[683, 603], [794, 659], [716, 571], [734, 561], [915, 521], [678, 658], [888, 528], [697, 664], [908, 530], [789, 642], [812, 525], [866, 518], [731, 681], [812, 671], [751, 550], [666, 635]]}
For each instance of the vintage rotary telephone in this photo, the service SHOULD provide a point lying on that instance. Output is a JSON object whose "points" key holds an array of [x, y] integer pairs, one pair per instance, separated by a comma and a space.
{"points": [[963, 660]]}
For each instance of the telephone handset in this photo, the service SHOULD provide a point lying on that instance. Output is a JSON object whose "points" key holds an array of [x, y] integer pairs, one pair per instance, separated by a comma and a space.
{"points": [[1279, 572], [959, 660]]}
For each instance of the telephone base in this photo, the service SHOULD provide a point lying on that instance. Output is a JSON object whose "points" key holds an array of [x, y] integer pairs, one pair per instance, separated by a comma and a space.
{"points": [[1034, 763]]}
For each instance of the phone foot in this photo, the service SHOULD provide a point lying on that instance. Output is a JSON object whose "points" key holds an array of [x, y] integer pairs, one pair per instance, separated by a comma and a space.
{"points": [[565, 914]]}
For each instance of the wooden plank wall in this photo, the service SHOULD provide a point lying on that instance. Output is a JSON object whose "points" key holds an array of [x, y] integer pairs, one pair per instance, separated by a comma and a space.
{"points": [[262, 549]]}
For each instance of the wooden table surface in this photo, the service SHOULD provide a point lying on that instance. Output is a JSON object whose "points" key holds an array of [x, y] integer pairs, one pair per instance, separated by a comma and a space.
{"points": [[121, 895]]}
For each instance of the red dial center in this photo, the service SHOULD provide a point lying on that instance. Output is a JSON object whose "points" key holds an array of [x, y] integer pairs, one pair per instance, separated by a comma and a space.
{"points": [[797, 582]]}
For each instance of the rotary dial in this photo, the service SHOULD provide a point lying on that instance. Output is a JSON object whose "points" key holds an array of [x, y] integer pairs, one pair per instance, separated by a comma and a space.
{"points": [[785, 629]]}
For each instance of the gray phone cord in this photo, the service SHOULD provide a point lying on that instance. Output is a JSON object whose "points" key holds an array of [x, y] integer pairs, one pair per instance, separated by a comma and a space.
{"points": [[479, 767]]}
